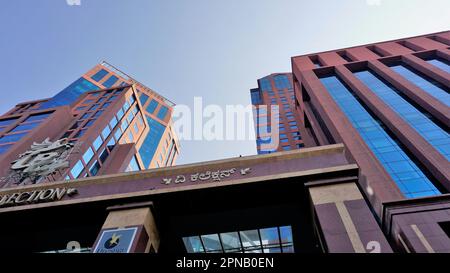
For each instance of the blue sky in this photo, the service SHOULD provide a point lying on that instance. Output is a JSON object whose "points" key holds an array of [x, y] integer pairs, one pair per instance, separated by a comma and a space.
{"points": [[215, 49]]}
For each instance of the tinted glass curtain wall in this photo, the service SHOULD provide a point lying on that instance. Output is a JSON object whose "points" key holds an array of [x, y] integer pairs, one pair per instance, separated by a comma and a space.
{"points": [[441, 64], [420, 121], [428, 85], [406, 174]]}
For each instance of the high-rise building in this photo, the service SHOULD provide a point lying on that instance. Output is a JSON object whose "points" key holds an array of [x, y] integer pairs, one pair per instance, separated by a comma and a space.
{"points": [[112, 122], [276, 90], [389, 104]]}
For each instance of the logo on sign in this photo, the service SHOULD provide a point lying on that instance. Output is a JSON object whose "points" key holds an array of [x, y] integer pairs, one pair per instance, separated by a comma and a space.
{"points": [[116, 241]]}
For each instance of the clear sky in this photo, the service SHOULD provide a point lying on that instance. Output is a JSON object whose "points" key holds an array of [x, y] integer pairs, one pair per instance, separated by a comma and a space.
{"points": [[215, 49]]}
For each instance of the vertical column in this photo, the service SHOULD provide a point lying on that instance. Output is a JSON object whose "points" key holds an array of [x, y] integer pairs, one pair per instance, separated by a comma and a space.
{"points": [[344, 220], [128, 229]]}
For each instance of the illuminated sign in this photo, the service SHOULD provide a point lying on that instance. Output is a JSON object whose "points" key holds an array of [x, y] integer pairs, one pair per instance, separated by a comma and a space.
{"points": [[33, 197], [116, 241]]}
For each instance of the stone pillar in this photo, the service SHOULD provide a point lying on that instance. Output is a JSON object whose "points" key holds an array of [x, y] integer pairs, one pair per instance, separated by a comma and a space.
{"points": [[344, 220], [128, 229]]}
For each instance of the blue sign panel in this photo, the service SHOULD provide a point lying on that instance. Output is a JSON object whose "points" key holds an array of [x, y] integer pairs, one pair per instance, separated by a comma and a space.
{"points": [[116, 241]]}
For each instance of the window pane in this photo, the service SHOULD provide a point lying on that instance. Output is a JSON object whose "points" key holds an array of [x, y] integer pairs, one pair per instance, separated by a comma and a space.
{"points": [[286, 234], [113, 122], [152, 106], [230, 241], [7, 122], [111, 81], [104, 155], [95, 168], [88, 155], [37, 117], [97, 143], [143, 99], [211, 242], [106, 132], [4, 148], [99, 75], [25, 127], [193, 244], [77, 169], [162, 112], [250, 240], [12, 138]]}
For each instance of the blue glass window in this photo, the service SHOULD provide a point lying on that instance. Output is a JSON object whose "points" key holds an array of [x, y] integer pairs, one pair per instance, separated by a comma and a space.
{"points": [[268, 240], [88, 155], [12, 138], [111, 144], [97, 143], [70, 94], [255, 96], [95, 168], [120, 114], [143, 99], [118, 134], [99, 75], [38, 117], [111, 81], [428, 85], [103, 156], [162, 112], [130, 117], [286, 148], [113, 122], [124, 125], [151, 142], [89, 123], [7, 122], [133, 166], [407, 175], [265, 84], [441, 64], [77, 169], [434, 134], [282, 82], [130, 136], [4, 148], [79, 134], [25, 127], [126, 106], [152, 106], [106, 132]]}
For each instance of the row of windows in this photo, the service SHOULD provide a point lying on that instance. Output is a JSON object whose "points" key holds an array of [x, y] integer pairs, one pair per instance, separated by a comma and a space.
{"points": [[410, 179], [152, 106], [432, 87], [441, 64], [151, 141], [80, 127], [282, 82], [20, 130], [267, 240], [70, 94], [110, 135], [421, 121], [101, 74]]}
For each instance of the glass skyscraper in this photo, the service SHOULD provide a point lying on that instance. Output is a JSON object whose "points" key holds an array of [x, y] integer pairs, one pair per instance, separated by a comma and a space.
{"points": [[115, 123]]}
